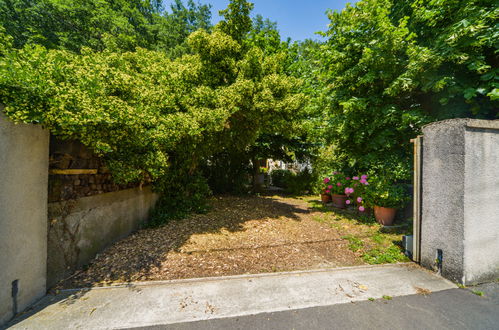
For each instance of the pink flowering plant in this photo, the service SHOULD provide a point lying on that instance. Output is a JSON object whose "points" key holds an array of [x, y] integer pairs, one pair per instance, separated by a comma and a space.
{"points": [[338, 183], [355, 191], [327, 185]]}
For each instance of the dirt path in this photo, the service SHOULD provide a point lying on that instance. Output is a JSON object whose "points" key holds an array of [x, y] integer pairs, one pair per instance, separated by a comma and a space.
{"points": [[241, 235]]}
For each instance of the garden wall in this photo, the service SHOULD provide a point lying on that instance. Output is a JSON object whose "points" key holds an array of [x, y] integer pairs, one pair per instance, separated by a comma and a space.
{"points": [[87, 211], [79, 229], [460, 199], [77, 172], [24, 151], [52, 224]]}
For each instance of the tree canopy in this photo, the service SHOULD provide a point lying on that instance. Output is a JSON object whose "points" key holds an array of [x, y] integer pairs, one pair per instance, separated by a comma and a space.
{"points": [[164, 94], [149, 115], [389, 69], [117, 25]]}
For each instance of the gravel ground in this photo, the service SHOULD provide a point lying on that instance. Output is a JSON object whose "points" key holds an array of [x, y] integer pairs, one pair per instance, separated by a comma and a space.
{"points": [[240, 235]]}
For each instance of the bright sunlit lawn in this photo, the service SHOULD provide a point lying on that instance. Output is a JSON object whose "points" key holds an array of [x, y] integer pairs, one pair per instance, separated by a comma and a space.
{"points": [[245, 235]]}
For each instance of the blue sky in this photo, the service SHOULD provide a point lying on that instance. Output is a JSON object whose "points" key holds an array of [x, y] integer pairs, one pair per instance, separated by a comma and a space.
{"points": [[298, 19]]}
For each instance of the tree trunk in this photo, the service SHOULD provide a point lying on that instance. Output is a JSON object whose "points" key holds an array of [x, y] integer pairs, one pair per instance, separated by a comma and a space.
{"points": [[256, 171]]}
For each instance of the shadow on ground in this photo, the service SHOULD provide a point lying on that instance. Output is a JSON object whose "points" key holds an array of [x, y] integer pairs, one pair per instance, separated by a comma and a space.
{"points": [[149, 251]]}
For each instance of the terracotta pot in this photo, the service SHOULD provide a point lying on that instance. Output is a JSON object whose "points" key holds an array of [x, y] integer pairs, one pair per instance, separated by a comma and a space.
{"points": [[339, 201], [384, 215], [325, 198]]}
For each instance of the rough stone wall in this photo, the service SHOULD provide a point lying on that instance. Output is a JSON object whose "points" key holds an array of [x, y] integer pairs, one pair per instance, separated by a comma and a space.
{"points": [[460, 199], [23, 214], [71, 155]]}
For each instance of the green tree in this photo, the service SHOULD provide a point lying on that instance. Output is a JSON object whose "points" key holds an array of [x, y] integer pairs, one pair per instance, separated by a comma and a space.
{"points": [[118, 25], [152, 116], [390, 69]]}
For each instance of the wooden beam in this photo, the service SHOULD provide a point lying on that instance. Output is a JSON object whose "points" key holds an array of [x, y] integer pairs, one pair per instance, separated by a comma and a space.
{"points": [[73, 171]]}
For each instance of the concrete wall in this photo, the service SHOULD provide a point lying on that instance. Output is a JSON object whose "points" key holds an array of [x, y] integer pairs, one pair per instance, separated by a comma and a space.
{"points": [[481, 203], [460, 204], [23, 214], [79, 229]]}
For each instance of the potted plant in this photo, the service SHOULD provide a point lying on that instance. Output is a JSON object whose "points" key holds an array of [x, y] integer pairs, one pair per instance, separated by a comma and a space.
{"points": [[340, 190], [326, 191], [386, 198], [356, 192]]}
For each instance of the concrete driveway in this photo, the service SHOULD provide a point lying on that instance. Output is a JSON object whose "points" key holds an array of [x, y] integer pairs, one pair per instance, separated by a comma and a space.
{"points": [[183, 303]]}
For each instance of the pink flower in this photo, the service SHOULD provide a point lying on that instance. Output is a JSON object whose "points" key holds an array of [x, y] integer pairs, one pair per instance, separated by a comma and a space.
{"points": [[363, 181], [361, 208], [329, 187], [326, 180], [366, 183], [347, 178], [359, 199], [338, 184], [363, 177], [349, 191], [348, 202], [328, 191], [355, 177]]}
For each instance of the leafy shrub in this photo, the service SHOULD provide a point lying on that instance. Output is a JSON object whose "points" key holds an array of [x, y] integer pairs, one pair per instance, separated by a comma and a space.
{"points": [[293, 183], [151, 116], [280, 178], [180, 196], [386, 194]]}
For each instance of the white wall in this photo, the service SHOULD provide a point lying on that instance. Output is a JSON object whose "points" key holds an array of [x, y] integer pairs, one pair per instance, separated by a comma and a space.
{"points": [[481, 205], [24, 153]]}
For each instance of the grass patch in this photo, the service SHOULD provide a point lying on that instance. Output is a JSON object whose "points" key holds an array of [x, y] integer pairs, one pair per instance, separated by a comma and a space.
{"points": [[363, 233], [355, 243]]}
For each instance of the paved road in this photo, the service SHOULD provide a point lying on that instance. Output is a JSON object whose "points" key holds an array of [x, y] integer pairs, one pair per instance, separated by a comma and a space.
{"points": [[450, 309]]}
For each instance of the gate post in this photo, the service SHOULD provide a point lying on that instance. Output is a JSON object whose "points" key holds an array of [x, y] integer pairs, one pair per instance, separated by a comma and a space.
{"points": [[418, 162], [460, 199], [24, 151]]}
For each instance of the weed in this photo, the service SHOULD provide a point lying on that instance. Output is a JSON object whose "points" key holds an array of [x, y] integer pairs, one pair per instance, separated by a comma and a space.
{"points": [[355, 243], [387, 297], [371, 299], [478, 293], [378, 238], [391, 254]]}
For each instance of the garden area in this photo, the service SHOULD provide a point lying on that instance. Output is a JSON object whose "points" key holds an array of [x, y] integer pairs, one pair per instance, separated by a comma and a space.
{"points": [[168, 99]]}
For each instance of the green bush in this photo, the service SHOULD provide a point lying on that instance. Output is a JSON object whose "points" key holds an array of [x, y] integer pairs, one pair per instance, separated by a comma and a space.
{"points": [[386, 194], [280, 178], [293, 183]]}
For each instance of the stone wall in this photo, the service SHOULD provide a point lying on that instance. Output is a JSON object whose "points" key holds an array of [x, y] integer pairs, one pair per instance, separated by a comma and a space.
{"points": [[79, 229], [72, 155], [460, 199], [23, 215]]}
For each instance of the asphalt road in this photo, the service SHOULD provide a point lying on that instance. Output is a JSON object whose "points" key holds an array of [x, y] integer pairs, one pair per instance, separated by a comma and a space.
{"points": [[449, 309]]}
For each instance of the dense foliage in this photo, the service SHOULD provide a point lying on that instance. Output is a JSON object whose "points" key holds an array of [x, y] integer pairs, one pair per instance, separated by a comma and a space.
{"points": [[389, 69], [165, 95], [118, 25], [148, 115]]}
